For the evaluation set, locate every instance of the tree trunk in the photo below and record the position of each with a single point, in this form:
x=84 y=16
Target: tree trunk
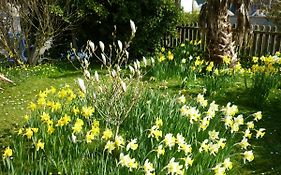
x=215 y=22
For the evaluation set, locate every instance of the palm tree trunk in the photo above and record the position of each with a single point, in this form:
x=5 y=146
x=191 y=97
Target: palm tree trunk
x=214 y=21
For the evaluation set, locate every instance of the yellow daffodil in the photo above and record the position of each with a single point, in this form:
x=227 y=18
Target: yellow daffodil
x=255 y=59
x=35 y=130
x=63 y=120
x=250 y=125
x=188 y=161
x=56 y=106
x=257 y=116
x=203 y=124
x=78 y=126
x=219 y=169
x=39 y=145
x=181 y=99
x=158 y=122
x=170 y=56
x=169 y=140
x=244 y=143
x=247 y=133
x=110 y=146
x=89 y=137
x=107 y=134
x=161 y=58
x=43 y=94
x=20 y=131
x=214 y=148
x=26 y=117
x=8 y=152
x=41 y=101
x=260 y=133
x=128 y=162
x=226 y=60
x=45 y=117
x=119 y=141
x=230 y=110
x=32 y=106
x=155 y=132
x=62 y=93
x=200 y=99
x=132 y=145
x=50 y=129
x=213 y=135
x=28 y=133
x=87 y=111
x=174 y=167
x=248 y=156
x=160 y=150
x=210 y=67
x=221 y=143
x=204 y=146
x=185 y=148
x=227 y=164
x=148 y=167
x=75 y=110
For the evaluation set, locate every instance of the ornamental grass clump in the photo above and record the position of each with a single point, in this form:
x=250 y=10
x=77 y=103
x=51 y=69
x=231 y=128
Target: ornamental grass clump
x=265 y=76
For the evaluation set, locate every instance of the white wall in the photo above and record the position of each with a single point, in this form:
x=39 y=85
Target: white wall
x=187 y=5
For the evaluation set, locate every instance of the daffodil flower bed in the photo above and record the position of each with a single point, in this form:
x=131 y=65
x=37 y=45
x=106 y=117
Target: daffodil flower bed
x=116 y=125
x=65 y=133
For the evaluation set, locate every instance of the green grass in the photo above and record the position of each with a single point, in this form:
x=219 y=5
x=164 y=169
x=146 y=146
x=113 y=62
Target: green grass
x=28 y=82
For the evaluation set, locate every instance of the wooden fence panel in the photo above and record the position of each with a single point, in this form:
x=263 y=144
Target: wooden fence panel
x=261 y=41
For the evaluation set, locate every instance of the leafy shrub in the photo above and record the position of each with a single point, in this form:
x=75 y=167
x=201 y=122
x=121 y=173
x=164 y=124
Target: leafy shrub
x=189 y=18
x=154 y=18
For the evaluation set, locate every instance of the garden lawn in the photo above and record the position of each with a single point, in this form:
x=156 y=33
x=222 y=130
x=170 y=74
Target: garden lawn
x=28 y=82
x=14 y=98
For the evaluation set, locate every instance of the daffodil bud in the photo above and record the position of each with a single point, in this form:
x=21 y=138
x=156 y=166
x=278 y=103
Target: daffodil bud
x=113 y=73
x=94 y=96
x=152 y=61
x=73 y=138
x=133 y=27
x=103 y=59
x=123 y=85
x=127 y=54
x=87 y=74
x=101 y=46
x=86 y=62
x=120 y=45
x=132 y=70
x=138 y=64
x=82 y=85
x=118 y=69
x=96 y=76
x=92 y=46
x=135 y=65
x=144 y=61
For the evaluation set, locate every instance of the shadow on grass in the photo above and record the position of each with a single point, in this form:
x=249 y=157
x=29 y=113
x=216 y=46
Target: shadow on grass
x=66 y=74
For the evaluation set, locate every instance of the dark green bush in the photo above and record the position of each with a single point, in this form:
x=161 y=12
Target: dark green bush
x=153 y=19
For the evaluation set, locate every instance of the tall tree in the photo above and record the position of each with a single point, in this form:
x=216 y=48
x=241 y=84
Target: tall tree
x=220 y=38
x=28 y=28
